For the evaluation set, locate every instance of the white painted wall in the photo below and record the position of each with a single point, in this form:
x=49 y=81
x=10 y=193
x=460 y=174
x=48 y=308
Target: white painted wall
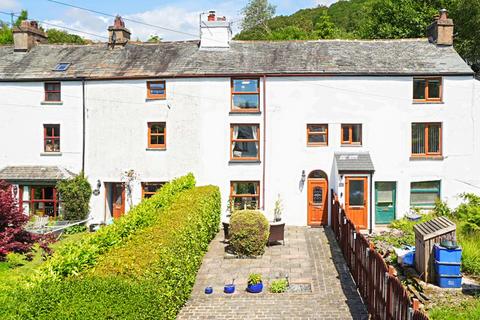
x=198 y=133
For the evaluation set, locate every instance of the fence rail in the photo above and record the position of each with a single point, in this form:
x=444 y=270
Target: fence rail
x=383 y=293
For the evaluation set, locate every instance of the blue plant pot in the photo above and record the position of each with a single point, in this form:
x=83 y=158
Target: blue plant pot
x=255 y=288
x=208 y=290
x=229 y=288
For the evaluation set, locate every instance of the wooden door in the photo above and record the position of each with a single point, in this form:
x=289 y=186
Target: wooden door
x=385 y=196
x=356 y=200
x=118 y=200
x=317 y=202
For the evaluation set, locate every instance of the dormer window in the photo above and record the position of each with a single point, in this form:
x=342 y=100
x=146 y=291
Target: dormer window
x=53 y=92
x=156 y=90
x=427 y=89
x=62 y=67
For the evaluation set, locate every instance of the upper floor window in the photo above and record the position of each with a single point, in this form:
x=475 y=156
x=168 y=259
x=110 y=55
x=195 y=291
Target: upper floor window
x=426 y=139
x=150 y=188
x=424 y=194
x=351 y=134
x=245 y=142
x=53 y=91
x=245 y=194
x=245 y=95
x=427 y=89
x=157 y=135
x=317 y=134
x=51 y=137
x=156 y=90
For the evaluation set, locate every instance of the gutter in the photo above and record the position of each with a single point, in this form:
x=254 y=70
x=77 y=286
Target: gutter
x=370 y=230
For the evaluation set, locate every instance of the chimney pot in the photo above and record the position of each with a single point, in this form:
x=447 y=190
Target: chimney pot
x=27 y=36
x=118 y=34
x=211 y=16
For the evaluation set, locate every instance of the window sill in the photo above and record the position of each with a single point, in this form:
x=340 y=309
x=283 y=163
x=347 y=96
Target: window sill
x=236 y=113
x=426 y=158
x=317 y=145
x=50 y=154
x=428 y=102
x=155 y=99
x=244 y=161
x=351 y=145
x=51 y=103
x=155 y=149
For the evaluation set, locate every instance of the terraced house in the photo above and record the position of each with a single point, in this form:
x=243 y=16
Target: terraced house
x=386 y=125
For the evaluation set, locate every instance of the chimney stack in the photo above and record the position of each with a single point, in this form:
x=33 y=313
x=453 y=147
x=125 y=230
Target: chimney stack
x=441 y=30
x=215 y=32
x=118 y=34
x=27 y=36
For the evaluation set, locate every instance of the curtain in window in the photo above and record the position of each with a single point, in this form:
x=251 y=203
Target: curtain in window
x=434 y=138
x=255 y=136
x=236 y=153
x=418 y=138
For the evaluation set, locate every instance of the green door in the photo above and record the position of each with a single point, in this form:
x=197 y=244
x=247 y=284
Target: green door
x=385 y=195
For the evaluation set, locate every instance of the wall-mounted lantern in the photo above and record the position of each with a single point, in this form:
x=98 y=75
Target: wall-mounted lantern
x=302 y=181
x=96 y=192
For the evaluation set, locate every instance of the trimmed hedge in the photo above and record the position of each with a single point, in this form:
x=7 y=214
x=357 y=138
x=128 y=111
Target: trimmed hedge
x=76 y=257
x=150 y=277
x=249 y=231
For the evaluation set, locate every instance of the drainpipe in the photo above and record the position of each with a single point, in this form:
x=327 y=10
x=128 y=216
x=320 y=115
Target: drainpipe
x=371 y=196
x=83 y=125
x=264 y=137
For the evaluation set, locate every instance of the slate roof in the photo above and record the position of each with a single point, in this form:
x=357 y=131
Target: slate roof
x=34 y=173
x=348 y=161
x=183 y=58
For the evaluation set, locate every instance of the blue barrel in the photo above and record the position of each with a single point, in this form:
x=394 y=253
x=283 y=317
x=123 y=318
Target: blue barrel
x=447 y=268
x=443 y=254
x=445 y=281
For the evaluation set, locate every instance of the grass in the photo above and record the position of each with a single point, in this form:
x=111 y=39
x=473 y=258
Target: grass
x=466 y=310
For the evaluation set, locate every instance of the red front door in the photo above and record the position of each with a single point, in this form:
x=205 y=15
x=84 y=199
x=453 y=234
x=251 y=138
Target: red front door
x=317 y=202
x=118 y=200
x=356 y=200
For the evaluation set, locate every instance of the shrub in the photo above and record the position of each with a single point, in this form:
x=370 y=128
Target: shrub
x=278 y=286
x=15 y=259
x=249 y=232
x=254 y=278
x=149 y=277
x=72 y=258
x=469 y=213
x=75 y=229
x=75 y=194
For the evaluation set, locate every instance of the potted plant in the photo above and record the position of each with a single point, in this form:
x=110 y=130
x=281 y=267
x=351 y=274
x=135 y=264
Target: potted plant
x=255 y=284
x=277 y=211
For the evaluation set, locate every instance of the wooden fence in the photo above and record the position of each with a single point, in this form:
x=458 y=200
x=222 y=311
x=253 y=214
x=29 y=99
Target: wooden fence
x=384 y=295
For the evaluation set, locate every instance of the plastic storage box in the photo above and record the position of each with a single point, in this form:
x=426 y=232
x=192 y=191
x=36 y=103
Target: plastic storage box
x=447 y=268
x=445 y=281
x=443 y=254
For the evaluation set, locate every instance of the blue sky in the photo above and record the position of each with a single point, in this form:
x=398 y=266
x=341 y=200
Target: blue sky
x=174 y=14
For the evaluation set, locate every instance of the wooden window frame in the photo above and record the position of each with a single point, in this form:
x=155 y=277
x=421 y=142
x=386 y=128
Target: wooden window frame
x=232 y=140
x=233 y=93
x=31 y=201
x=256 y=195
x=428 y=153
x=46 y=92
x=145 y=193
x=427 y=94
x=164 y=134
x=310 y=133
x=350 y=141
x=53 y=137
x=157 y=96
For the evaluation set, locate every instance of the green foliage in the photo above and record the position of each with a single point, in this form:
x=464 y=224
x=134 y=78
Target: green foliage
x=441 y=209
x=256 y=14
x=75 y=194
x=75 y=229
x=278 y=286
x=154 y=39
x=470 y=253
x=15 y=259
x=468 y=213
x=60 y=36
x=6 y=35
x=150 y=277
x=249 y=232
x=466 y=310
x=254 y=278
x=73 y=258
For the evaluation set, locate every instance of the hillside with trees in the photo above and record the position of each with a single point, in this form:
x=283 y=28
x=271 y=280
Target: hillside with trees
x=365 y=19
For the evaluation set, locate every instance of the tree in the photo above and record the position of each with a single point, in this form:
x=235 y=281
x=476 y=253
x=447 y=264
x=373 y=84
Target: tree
x=75 y=195
x=6 y=34
x=256 y=14
x=13 y=236
x=60 y=36
x=154 y=39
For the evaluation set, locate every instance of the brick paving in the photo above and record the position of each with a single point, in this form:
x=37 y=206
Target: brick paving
x=309 y=256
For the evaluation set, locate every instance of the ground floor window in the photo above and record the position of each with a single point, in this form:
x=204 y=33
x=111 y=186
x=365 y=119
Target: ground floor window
x=424 y=194
x=40 y=200
x=150 y=188
x=245 y=194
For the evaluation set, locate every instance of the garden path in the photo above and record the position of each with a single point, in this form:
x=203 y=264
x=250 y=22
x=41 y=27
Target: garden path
x=309 y=256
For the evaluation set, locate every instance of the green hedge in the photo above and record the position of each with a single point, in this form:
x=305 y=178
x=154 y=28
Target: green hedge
x=149 y=277
x=76 y=257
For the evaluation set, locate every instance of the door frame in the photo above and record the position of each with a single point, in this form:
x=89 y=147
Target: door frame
x=327 y=194
x=395 y=198
x=109 y=193
x=367 y=192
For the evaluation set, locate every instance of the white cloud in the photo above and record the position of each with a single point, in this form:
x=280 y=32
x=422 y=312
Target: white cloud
x=9 y=4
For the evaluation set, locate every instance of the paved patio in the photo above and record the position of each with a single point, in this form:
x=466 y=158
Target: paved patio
x=309 y=256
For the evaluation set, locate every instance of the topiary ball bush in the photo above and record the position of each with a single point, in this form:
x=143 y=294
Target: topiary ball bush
x=249 y=231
